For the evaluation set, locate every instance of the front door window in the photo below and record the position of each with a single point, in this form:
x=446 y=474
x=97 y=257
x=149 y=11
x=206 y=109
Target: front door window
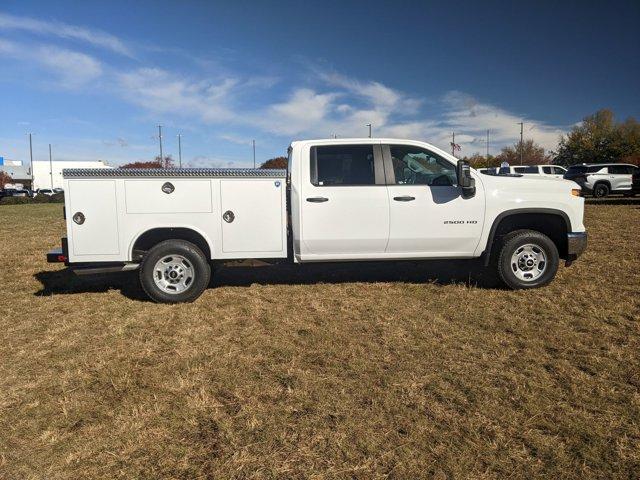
x=417 y=166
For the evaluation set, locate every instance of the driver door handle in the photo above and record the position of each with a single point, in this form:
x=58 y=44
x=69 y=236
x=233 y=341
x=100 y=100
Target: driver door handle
x=405 y=198
x=317 y=199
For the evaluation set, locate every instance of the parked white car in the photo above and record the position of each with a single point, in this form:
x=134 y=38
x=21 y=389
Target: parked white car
x=339 y=200
x=602 y=179
x=550 y=171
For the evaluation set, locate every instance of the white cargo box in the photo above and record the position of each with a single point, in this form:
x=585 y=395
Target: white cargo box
x=240 y=213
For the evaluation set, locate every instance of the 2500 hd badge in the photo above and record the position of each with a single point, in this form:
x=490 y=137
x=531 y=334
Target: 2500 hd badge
x=459 y=222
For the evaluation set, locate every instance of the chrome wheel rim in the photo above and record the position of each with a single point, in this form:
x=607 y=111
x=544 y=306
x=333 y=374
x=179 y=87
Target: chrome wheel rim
x=173 y=274
x=529 y=262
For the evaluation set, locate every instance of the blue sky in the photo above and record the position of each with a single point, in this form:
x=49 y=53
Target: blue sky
x=95 y=78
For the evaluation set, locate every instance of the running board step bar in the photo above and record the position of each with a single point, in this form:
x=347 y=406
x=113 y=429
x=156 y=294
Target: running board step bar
x=125 y=267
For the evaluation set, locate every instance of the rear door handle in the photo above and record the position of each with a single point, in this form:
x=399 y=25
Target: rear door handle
x=405 y=198
x=317 y=199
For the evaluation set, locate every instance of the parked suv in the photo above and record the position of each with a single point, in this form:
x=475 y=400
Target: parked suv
x=602 y=179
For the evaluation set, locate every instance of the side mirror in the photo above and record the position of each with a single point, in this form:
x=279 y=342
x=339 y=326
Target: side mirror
x=466 y=182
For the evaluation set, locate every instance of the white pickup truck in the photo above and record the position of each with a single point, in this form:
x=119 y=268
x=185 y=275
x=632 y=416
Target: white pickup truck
x=339 y=200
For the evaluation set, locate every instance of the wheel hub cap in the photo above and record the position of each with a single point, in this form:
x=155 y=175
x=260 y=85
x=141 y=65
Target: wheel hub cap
x=173 y=274
x=529 y=262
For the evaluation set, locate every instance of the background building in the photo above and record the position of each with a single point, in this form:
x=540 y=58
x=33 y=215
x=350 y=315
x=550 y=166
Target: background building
x=45 y=177
x=45 y=174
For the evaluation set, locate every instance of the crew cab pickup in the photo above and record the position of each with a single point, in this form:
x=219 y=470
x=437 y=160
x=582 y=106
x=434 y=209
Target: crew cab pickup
x=338 y=200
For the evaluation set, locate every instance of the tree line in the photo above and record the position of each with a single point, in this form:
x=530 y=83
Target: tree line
x=599 y=138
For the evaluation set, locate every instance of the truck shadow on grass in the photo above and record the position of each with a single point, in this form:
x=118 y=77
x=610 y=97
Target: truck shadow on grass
x=58 y=282
x=440 y=272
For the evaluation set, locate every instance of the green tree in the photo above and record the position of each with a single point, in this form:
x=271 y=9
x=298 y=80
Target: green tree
x=600 y=139
x=277 y=162
x=4 y=179
x=156 y=163
x=481 y=161
x=532 y=154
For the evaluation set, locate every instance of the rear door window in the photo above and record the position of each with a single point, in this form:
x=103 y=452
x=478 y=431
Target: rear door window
x=343 y=165
x=620 y=170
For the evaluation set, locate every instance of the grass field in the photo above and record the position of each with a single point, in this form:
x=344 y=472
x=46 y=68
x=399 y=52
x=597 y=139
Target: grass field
x=400 y=370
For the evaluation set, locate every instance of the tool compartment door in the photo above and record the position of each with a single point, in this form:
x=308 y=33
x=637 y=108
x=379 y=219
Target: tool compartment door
x=252 y=217
x=97 y=234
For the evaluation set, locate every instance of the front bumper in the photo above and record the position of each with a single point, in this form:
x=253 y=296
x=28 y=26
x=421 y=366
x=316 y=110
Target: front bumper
x=576 y=244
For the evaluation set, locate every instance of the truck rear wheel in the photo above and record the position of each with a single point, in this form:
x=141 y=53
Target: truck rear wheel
x=527 y=259
x=174 y=271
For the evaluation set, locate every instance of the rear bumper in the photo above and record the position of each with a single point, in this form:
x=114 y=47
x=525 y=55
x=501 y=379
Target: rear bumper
x=59 y=255
x=576 y=244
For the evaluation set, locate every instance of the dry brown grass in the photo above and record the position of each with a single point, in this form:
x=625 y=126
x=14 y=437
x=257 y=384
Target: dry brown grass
x=362 y=371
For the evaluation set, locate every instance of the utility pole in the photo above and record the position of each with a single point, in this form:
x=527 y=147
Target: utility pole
x=160 y=140
x=453 y=143
x=31 y=157
x=180 y=150
x=51 y=167
x=253 y=142
x=521 y=144
x=369 y=125
x=487 y=144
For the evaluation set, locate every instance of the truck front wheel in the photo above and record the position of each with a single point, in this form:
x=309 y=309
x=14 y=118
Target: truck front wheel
x=174 y=271
x=527 y=259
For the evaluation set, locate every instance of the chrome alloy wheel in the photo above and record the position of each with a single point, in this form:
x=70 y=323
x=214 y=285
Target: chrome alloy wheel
x=528 y=262
x=173 y=274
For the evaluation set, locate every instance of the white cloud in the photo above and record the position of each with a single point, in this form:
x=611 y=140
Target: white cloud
x=71 y=68
x=380 y=95
x=465 y=115
x=162 y=91
x=63 y=30
x=237 y=139
x=305 y=110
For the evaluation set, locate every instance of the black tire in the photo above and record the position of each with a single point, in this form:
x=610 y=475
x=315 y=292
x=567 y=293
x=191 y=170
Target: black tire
x=601 y=190
x=514 y=241
x=196 y=263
